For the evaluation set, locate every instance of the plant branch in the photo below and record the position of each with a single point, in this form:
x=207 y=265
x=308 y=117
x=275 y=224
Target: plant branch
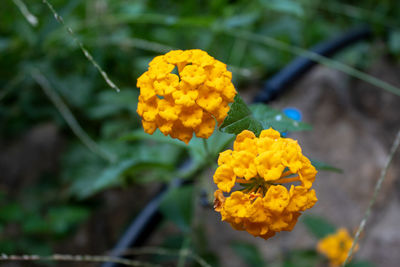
x=32 y=19
x=82 y=47
x=378 y=186
x=166 y=252
x=75 y=258
x=69 y=117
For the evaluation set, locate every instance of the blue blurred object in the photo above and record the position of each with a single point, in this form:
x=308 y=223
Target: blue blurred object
x=292 y=113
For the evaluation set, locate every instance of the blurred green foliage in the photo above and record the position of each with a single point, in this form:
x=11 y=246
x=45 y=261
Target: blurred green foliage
x=249 y=253
x=123 y=36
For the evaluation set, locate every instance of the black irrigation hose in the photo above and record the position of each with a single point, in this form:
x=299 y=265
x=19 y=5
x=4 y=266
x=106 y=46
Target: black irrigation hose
x=278 y=83
x=140 y=228
x=148 y=219
x=144 y=223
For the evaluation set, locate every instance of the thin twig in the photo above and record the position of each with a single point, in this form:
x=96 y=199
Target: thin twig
x=184 y=251
x=76 y=258
x=353 y=12
x=165 y=252
x=162 y=48
x=137 y=43
x=69 y=117
x=32 y=19
x=378 y=186
x=82 y=47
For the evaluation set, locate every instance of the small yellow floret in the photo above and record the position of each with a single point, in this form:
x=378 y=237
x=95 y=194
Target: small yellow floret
x=191 y=101
x=262 y=165
x=336 y=246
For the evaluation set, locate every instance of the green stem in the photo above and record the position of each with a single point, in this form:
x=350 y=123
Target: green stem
x=208 y=154
x=184 y=251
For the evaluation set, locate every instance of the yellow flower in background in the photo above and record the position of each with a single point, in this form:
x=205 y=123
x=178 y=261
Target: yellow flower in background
x=262 y=166
x=192 y=100
x=336 y=246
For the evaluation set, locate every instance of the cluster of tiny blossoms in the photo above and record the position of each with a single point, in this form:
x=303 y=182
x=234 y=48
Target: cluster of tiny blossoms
x=336 y=246
x=191 y=100
x=261 y=166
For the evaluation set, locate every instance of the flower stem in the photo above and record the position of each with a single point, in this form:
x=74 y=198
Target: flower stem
x=208 y=154
x=288 y=180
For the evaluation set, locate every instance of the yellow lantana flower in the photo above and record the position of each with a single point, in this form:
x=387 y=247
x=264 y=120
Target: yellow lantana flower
x=191 y=100
x=262 y=166
x=336 y=246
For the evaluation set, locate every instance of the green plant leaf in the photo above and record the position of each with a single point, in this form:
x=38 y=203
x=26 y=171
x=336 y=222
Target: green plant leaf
x=110 y=176
x=269 y=117
x=95 y=175
x=322 y=166
x=258 y=117
x=8 y=246
x=157 y=136
x=318 y=226
x=12 y=212
x=394 y=42
x=62 y=219
x=240 y=118
x=301 y=258
x=177 y=206
x=249 y=254
x=108 y=103
x=285 y=6
x=35 y=224
x=360 y=264
x=33 y=246
x=216 y=143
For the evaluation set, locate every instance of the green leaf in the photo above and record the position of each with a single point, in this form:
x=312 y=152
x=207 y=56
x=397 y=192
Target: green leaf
x=216 y=143
x=110 y=176
x=109 y=103
x=271 y=118
x=285 y=6
x=322 y=166
x=249 y=253
x=94 y=175
x=33 y=246
x=35 y=224
x=240 y=118
x=8 y=246
x=394 y=42
x=63 y=219
x=177 y=206
x=301 y=258
x=241 y=20
x=258 y=117
x=157 y=136
x=318 y=226
x=360 y=264
x=12 y=212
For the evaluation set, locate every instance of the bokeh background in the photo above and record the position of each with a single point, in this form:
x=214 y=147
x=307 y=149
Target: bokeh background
x=71 y=179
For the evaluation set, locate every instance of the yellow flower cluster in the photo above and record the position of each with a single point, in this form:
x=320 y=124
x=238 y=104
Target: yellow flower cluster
x=336 y=246
x=186 y=102
x=261 y=166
